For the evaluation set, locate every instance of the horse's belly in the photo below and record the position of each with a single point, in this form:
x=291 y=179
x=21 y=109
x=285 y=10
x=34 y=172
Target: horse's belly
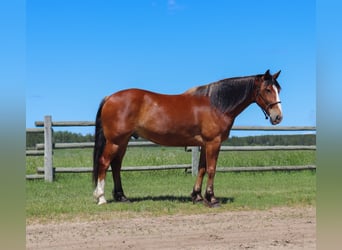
x=172 y=139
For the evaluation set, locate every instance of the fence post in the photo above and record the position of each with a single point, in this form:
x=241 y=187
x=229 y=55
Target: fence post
x=48 y=168
x=194 y=160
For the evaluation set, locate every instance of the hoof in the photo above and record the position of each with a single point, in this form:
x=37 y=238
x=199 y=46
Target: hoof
x=120 y=197
x=101 y=201
x=211 y=201
x=212 y=204
x=197 y=200
x=99 y=198
x=196 y=197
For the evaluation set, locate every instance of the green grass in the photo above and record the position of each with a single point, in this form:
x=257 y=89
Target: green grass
x=154 y=156
x=168 y=192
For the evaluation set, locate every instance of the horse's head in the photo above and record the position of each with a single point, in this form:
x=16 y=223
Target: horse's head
x=267 y=97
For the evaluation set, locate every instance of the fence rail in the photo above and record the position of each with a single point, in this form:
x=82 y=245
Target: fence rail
x=46 y=149
x=249 y=128
x=70 y=145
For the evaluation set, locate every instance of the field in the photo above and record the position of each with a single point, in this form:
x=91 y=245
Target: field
x=167 y=192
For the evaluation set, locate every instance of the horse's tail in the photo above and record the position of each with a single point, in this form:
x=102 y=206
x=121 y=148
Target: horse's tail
x=100 y=142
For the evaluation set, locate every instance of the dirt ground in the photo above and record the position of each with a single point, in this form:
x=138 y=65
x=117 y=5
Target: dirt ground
x=277 y=228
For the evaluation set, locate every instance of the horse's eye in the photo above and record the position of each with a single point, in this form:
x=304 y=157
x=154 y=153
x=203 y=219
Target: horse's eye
x=268 y=91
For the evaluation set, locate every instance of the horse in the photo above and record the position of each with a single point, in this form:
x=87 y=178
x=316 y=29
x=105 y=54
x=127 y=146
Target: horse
x=202 y=116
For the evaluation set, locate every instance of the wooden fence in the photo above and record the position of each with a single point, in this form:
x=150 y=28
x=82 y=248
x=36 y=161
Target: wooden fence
x=46 y=149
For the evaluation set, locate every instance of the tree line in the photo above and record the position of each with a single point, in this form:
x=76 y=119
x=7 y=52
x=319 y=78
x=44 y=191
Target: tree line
x=268 y=140
x=271 y=140
x=59 y=136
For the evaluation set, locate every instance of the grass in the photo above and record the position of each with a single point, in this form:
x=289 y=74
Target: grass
x=154 y=156
x=167 y=192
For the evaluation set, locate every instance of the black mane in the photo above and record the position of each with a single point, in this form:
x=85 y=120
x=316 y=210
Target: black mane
x=228 y=93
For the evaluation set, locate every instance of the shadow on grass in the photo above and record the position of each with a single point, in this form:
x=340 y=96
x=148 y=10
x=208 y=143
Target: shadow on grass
x=182 y=199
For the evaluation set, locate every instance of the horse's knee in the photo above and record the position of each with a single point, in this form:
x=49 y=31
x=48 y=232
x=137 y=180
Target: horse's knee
x=211 y=172
x=201 y=172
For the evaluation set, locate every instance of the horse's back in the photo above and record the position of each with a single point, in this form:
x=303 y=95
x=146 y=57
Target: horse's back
x=145 y=98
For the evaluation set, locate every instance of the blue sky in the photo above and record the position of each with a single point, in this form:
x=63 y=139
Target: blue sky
x=79 y=51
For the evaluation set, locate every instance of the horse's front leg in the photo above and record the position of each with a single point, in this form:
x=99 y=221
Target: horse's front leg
x=212 y=152
x=196 y=194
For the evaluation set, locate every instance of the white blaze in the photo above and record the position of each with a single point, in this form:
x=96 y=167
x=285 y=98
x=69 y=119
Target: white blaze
x=277 y=97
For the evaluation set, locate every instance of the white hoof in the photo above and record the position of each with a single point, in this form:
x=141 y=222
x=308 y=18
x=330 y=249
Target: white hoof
x=101 y=200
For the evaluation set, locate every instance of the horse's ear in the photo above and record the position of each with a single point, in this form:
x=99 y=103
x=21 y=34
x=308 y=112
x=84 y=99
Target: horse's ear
x=267 y=75
x=275 y=76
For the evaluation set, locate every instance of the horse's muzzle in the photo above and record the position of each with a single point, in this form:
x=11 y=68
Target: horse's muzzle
x=276 y=118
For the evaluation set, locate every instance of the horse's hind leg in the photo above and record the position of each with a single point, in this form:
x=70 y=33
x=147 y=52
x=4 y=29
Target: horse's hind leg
x=118 y=193
x=109 y=152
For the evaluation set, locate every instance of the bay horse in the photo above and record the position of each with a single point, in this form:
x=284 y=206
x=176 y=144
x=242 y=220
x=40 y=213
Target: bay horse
x=201 y=116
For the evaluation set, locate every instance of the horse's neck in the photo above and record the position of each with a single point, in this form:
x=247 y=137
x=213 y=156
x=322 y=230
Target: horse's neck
x=241 y=107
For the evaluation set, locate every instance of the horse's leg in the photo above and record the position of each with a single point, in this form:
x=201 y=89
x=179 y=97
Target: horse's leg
x=118 y=193
x=109 y=151
x=196 y=194
x=212 y=151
